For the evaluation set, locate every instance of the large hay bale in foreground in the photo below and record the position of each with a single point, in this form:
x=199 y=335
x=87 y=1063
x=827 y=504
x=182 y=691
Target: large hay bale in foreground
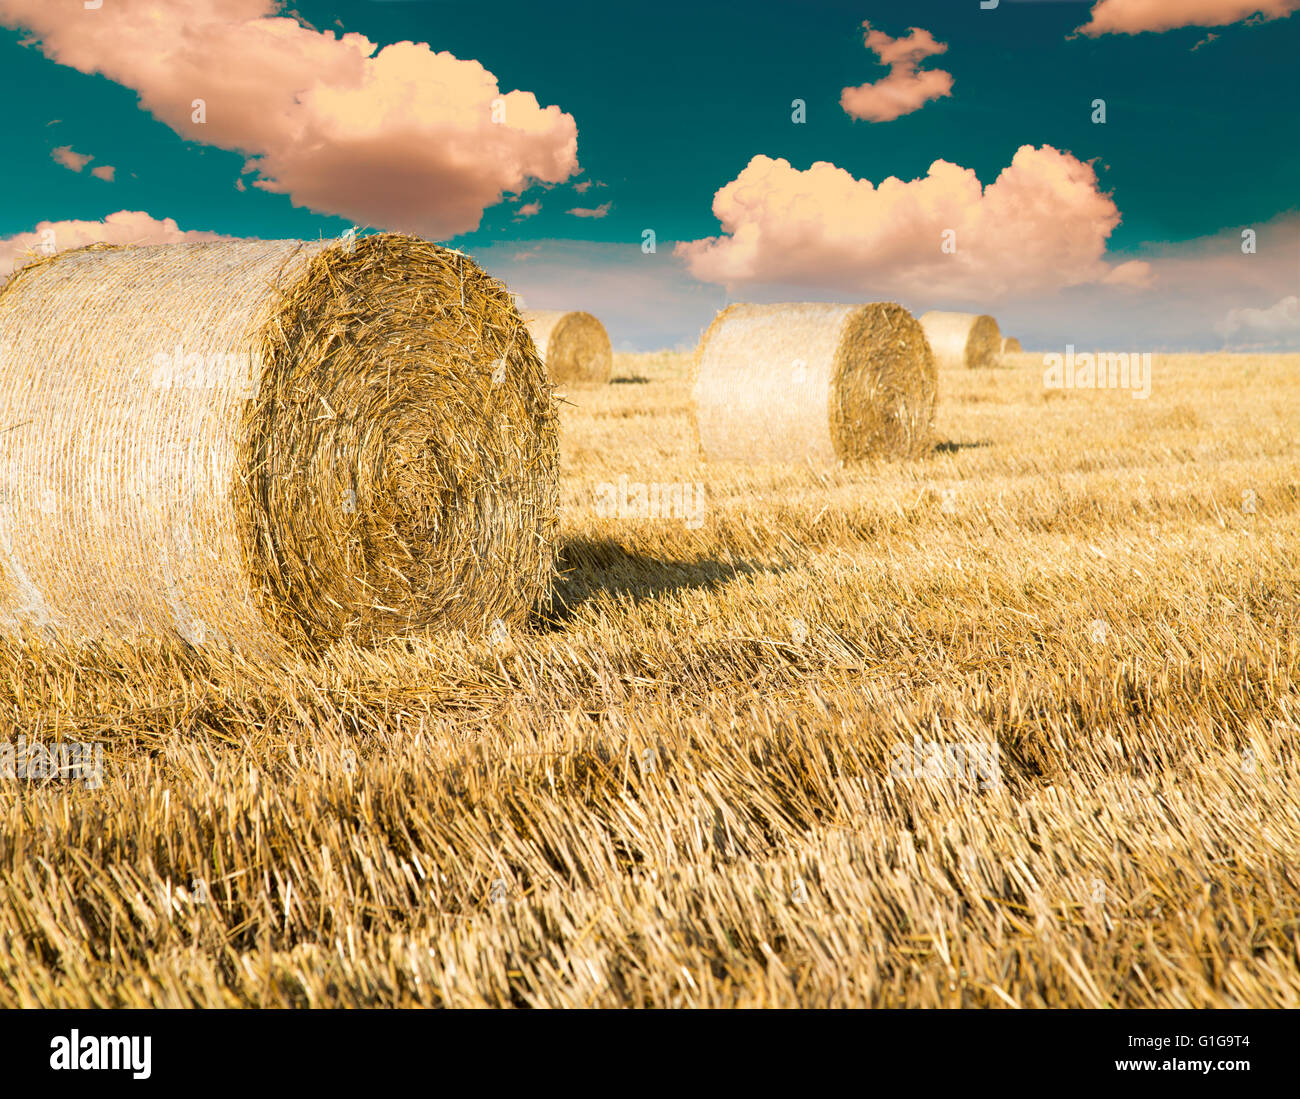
x=574 y=346
x=1010 y=345
x=962 y=340
x=813 y=382
x=270 y=445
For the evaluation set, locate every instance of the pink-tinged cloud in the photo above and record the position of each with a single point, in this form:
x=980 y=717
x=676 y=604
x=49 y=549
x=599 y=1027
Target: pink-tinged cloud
x=906 y=88
x=403 y=138
x=106 y=172
x=123 y=227
x=1136 y=16
x=592 y=211
x=66 y=157
x=1041 y=225
x=528 y=210
x=583 y=187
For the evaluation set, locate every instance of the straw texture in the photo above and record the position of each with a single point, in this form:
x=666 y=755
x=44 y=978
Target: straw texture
x=813 y=382
x=1010 y=345
x=574 y=346
x=270 y=445
x=962 y=340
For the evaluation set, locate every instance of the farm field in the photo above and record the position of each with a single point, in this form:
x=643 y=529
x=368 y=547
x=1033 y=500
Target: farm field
x=1011 y=725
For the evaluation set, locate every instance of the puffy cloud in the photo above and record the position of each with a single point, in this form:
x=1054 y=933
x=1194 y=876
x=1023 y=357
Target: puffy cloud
x=403 y=138
x=106 y=172
x=1136 y=16
x=73 y=161
x=1137 y=272
x=1041 y=225
x=592 y=211
x=906 y=88
x=527 y=210
x=583 y=187
x=123 y=227
x=1277 y=325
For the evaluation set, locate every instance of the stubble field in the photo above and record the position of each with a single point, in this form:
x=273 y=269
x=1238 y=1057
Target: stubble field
x=1011 y=725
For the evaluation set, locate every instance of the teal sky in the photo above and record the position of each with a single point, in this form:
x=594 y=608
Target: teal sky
x=672 y=101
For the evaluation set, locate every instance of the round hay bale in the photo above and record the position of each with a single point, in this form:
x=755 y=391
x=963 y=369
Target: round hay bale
x=1010 y=345
x=813 y=382
x=574 y=346
x=270 y=445
x=962 y=340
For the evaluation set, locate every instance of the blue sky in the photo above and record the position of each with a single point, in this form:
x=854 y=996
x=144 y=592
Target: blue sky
x=672 y=101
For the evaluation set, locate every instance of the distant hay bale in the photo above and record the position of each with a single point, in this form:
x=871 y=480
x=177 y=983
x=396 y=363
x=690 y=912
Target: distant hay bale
x=270 y=445
x=1010 y=345
x=813 y=382
x=574 y=346
x=962 y=340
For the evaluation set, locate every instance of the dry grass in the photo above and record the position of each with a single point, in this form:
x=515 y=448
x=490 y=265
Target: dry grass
x=678 y=790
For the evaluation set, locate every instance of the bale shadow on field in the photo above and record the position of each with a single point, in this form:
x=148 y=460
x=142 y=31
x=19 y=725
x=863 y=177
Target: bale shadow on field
x=951 y=446
x=590 y=566
x=634 y=379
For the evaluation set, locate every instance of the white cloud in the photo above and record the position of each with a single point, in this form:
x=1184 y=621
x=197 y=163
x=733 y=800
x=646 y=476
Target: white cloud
x=123 y=227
